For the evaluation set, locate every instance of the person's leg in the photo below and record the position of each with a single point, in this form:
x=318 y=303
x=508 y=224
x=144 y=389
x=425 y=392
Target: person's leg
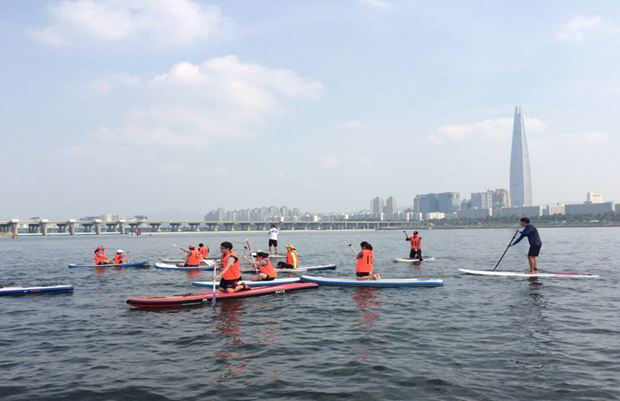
x=420 y=255
x=412 y=254
x=533 y=264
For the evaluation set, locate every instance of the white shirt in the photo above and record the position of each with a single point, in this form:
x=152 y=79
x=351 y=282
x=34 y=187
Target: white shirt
x=273 y=233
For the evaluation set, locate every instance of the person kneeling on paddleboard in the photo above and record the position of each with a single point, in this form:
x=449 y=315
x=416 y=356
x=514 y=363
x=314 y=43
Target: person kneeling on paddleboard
x=203 y=250
x=292 y=258
x=416 y=246
x=266 y=271
x=119 y=258
x=231 y=270
x=193 y=258
x=100 y=258
x=365 y=260
x=533 y=237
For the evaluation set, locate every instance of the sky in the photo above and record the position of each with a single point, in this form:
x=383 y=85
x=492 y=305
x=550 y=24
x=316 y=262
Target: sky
x=171 y=108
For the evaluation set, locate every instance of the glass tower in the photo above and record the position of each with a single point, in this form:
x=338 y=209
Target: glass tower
x=520 y=176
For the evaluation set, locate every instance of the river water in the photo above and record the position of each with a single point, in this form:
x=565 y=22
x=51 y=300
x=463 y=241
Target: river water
x=477 y=338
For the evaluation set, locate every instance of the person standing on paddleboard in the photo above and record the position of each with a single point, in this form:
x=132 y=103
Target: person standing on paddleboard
x=273 y=239
x=416 y=246
x=533 y=237
x=231 y=270
x=364 y=264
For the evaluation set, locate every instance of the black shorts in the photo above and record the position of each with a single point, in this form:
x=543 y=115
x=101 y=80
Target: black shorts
x=534 y=250
x=284 y=265
x=224 y=284
x=363 y=274
x=273 y=242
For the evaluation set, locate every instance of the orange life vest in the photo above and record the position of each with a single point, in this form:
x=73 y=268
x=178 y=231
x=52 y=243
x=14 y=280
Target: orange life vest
x=100 y=257
x=234 y=271
x=204 y=251
x=268 y=269
x=364 y=264
x=119 y=259
x=194 y=258
x=291 y=258
x=416 y=242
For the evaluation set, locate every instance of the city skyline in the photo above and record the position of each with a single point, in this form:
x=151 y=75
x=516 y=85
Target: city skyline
x=216 y=105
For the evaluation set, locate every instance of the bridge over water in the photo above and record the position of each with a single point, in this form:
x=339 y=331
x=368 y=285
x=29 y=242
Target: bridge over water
x=72 y=227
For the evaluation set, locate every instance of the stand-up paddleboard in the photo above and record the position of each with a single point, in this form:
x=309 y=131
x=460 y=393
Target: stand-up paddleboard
x=299 y=270
x=387 y=282
x=518 y=274
x=278 y=281
x=175 y=261
x=192 y=299
x=144 y=263
x=272 y=256
x=407 y=260
x=35 y=290
x=166 y=266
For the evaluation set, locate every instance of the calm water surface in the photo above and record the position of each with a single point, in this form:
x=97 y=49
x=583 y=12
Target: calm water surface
x=477 y=338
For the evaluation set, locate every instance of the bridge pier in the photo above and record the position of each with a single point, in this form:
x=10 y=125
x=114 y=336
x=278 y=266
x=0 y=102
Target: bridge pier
x=155 y=227
x=97 y=227
x=111 y=227
x=71 y=225
x=194 y=227
x=122 y=226
x=174 y=227
x=62 y=228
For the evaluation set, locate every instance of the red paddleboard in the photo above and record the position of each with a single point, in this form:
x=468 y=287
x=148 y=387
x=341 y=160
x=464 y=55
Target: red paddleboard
x=192 y=299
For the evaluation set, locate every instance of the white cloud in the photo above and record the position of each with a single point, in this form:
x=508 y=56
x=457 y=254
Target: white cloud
x=352 y=124
x=483 y=130
x=160 y=22
x=585 y=27
x=191 y=104
x=379 y=4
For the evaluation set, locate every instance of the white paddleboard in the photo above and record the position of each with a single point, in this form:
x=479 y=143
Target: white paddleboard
x=165 y=266
x=407 y=260
x=519 y=274
x=278 y=281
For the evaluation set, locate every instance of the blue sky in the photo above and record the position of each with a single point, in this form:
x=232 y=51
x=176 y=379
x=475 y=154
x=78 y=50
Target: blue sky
x=178 y=107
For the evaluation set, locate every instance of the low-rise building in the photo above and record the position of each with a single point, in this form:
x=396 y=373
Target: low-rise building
x=551 y=210
x=475 y=213
x=591 y=209
x=523 y=211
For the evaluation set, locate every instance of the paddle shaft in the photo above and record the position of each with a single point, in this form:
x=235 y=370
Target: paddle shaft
x=353 y=249
x=506 y=250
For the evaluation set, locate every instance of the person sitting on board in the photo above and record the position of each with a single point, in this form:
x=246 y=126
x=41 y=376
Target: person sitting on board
x=193 y=258
x=365 y=259
x=292 y=258
x=416 y=246
x=273 y=239
x=100 y=258
x=533 y=237
x=266 y=271
x=231 y=271
x=203 y=250
x=119 y=258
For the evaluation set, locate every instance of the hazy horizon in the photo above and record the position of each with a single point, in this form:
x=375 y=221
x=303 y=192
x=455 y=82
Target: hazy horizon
x=177 y=108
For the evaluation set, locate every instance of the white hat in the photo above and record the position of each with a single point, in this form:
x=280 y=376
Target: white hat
x=119 y=251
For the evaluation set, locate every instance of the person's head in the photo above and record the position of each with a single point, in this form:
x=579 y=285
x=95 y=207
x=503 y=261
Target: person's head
x=201 y=245
x=191 y=247
x=119 y=251
x=524 y=221
x=226 y=247
x=365 y=245
x=415 y=233
x=273 y=226
x=262 y=255
x=290 y=247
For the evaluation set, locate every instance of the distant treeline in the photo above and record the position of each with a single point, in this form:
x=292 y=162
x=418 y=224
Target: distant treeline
x=601 y=219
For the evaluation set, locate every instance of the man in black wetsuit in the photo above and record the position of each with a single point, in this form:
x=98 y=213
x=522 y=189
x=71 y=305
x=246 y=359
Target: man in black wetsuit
x=531 y=233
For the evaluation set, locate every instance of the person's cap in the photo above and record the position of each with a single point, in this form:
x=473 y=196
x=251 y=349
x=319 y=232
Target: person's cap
x=119 y=251
x=291 y=246
x=261 y=254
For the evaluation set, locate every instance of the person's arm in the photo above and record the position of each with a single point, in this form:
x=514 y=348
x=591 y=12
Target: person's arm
x=230 y=263
x=524 y=234
x=360 y=255
x=407 y=238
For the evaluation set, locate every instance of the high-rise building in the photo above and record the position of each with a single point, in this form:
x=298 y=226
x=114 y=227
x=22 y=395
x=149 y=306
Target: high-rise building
x=448 y=202
x=390 y=208
x=501 y=198
x=377 y=205
x=482 y=200
x=426 y=203
x=520 y=176
x=594 y=197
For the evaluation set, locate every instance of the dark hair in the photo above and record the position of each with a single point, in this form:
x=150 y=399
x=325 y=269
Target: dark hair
x=226 y=245
x=525 y=220
x=262 y=254
x=415 y=232
x=273 y=225
x=191 y=247
x=366 y=245
x=201 y=244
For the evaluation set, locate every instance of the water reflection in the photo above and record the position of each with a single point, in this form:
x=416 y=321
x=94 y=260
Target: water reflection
x=367 y=300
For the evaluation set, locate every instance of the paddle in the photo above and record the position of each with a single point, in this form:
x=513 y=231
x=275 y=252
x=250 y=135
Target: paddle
x=354 y=251
x=506 y=250
x=406 y=236
x=247 y=242
x=213 y=301
x=176 y=246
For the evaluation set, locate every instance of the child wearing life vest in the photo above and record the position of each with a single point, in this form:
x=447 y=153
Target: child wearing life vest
x=231 y=271
x=203 y=250
x=416 y=246
x=266 y=271
x=119 y=258
x=192 y=259
x=364 y=264
x=100 y=258
x=292 y=258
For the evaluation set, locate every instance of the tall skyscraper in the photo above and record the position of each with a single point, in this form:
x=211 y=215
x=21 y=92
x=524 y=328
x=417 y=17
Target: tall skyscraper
x=449 y=202
x=377 y=205
x=390 y=208
x=520 y=177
